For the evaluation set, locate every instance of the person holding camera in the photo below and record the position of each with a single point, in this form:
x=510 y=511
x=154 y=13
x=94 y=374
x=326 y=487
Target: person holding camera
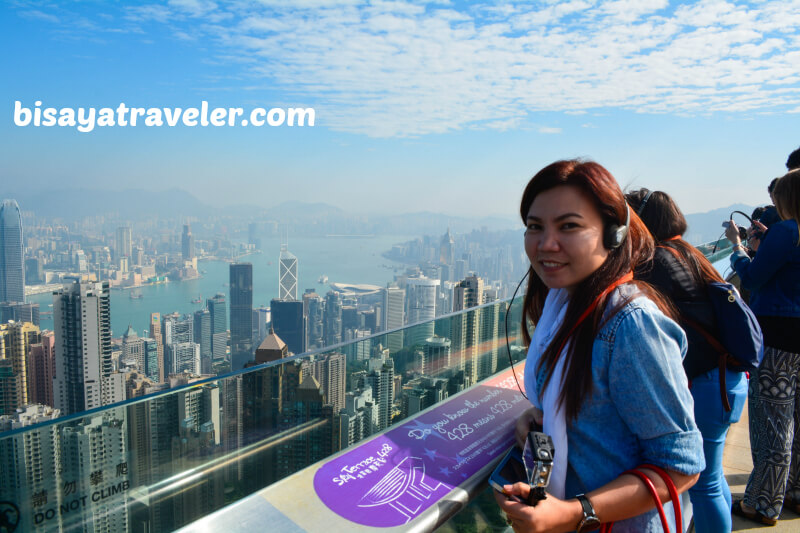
x=681 y=273
x=773 y=277
x=603 y=370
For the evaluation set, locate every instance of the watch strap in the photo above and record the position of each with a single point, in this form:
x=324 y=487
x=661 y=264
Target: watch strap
x=590 y=521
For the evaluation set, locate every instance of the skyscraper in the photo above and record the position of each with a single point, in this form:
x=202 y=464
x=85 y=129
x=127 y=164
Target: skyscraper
x=421 y=296
x=330 y=371
x=124 y=245
x=468 y=293
x=312 y=318
x=152 y=348
x=16 y=339
x=287 y=275
x=447 y=249
x=465 y=328
x=394 y=301
x=19 y=312
x=82 y=320
x=95 y=446
x=381 y=379
x=241 y=282
x=219 y=326
x=187 y=243
x=202 y=336
x=12 y=274
x=34 y=272
x=41 y=366
x=179 y=345
x=332 y=330
x=260 y=319
x=155 y=333
x=133 y=349
x=287 y=321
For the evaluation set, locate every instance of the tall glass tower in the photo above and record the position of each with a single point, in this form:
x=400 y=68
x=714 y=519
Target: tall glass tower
x=241 y=281
x=287 y=275
x=12 y=273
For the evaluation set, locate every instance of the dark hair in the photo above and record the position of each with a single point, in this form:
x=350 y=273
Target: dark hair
x=664 y=219
x=771 y=186
x=601 y=187
x=793 y=160
x=758 y=212
x=787 y=197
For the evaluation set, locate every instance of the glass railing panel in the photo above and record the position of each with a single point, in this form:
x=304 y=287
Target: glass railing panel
x=160 y=462
x=716 y=250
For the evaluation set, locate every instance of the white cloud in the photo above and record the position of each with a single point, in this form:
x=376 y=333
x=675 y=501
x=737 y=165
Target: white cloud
x=36 y=14
x=549 y=130
x=392 y=68
x=194 y=8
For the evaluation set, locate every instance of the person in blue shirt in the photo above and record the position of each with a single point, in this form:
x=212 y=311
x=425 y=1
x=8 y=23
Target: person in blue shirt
x=603 y=370
x=773 y=277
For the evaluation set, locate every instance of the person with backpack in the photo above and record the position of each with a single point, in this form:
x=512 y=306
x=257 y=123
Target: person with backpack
x=682 y=274
x=773 y=277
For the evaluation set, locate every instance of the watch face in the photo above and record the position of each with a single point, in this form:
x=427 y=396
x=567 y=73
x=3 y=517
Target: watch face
x=589 y=523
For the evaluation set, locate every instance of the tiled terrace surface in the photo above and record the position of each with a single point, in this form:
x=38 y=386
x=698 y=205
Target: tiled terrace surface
x=738 y=464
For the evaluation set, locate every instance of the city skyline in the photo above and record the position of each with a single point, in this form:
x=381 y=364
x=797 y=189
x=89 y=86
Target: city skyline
x=437 y=106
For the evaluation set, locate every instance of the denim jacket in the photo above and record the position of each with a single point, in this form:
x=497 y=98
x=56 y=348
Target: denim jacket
x=640 y=409
x=773 y=275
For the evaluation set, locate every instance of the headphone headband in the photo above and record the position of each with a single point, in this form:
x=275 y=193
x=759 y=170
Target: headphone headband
x=644 y=203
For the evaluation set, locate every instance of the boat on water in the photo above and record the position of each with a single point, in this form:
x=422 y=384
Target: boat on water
x=198 y=300
x=135 y=295
x=322 y=279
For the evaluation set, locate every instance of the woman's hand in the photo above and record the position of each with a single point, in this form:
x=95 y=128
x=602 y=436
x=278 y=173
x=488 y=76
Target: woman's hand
x=531 y=416
x=551 y=514
x=732 y=233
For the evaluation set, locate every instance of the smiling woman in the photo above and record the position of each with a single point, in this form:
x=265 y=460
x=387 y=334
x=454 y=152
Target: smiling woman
x=603 y=370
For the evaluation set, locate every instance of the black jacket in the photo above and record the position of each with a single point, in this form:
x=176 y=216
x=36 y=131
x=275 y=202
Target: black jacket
x=673 y=279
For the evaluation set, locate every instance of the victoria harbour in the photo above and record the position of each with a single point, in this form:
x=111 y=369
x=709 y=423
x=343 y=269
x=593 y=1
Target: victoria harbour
x=343 y=260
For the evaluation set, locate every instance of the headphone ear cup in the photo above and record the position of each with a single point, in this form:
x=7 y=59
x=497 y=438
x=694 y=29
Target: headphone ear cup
x=614 y=236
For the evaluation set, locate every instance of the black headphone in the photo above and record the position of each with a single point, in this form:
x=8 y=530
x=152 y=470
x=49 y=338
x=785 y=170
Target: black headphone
x=614 y=235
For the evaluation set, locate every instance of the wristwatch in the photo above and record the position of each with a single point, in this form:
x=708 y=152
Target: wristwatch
x=589 y=522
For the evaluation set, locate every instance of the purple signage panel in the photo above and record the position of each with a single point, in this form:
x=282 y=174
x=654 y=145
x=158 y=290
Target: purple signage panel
x=393 y=478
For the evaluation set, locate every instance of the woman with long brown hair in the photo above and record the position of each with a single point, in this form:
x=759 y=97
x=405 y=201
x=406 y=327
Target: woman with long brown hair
x=604 y=365
x=681 y=273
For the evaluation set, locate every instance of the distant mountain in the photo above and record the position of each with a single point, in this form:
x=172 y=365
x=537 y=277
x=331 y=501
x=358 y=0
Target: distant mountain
x=706 y=227
x=305 y=217
x=133 y=204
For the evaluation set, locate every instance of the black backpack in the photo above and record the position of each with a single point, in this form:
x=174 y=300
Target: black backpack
x=741 y=344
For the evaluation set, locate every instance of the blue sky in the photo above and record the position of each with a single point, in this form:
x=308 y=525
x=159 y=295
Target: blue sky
x=441 y=106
